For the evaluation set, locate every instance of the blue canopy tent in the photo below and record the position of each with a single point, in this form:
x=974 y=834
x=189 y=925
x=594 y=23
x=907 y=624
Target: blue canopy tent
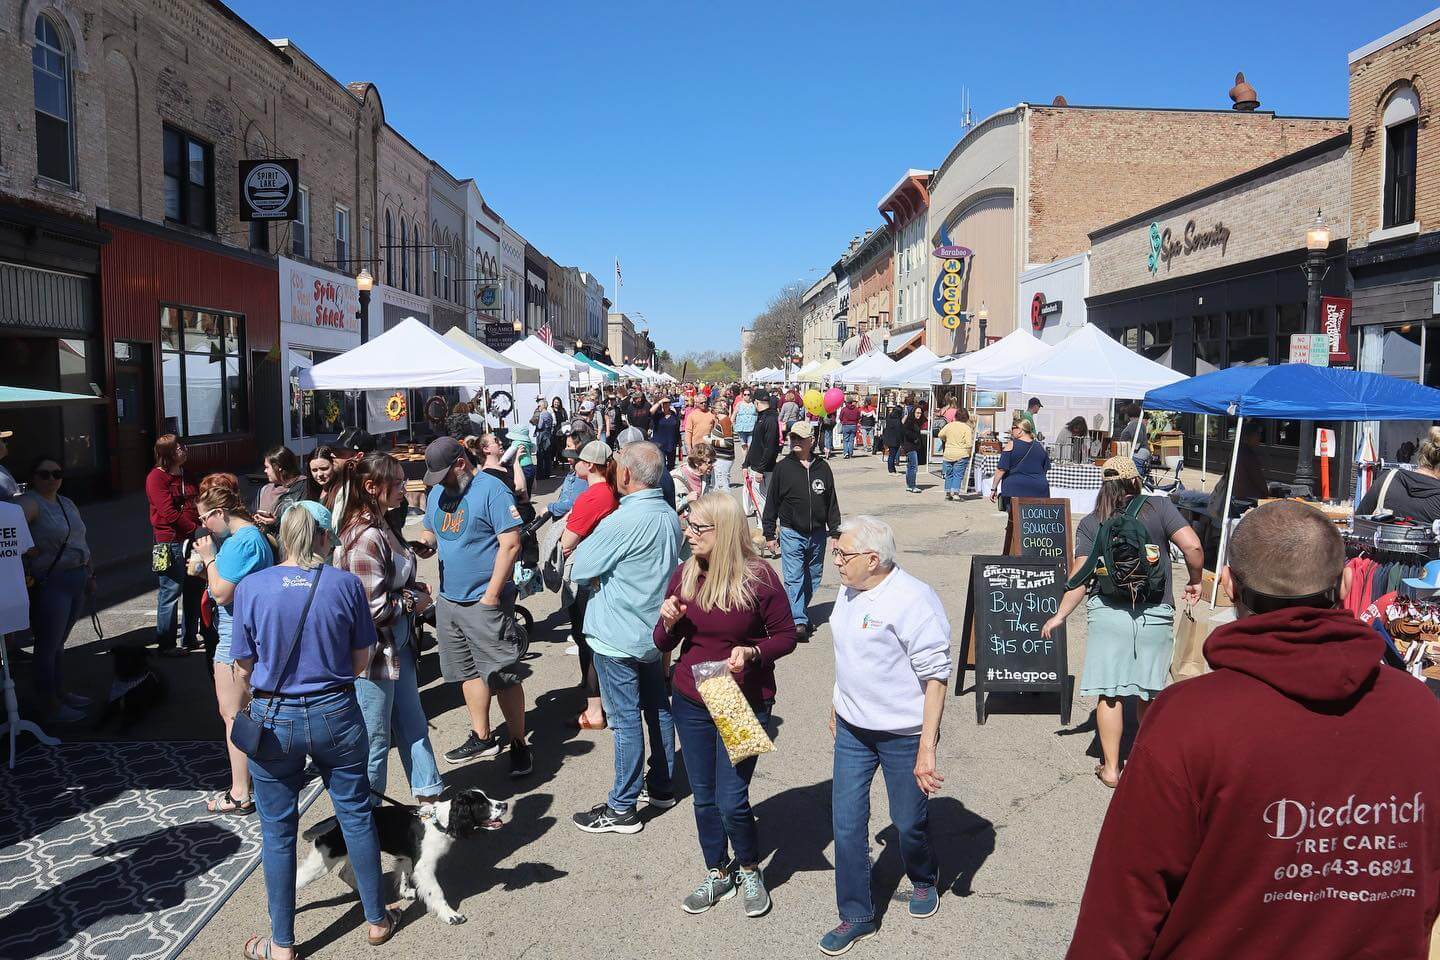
x=1292 y=391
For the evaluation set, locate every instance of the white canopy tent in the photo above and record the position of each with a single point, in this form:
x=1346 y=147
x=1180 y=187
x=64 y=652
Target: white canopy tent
x=1009 y=352
x=532 y=351
x=1088 y=363
x=409 y=355
x=768 y=375
x=912 y=370
x=530 y=383
x=867 y=370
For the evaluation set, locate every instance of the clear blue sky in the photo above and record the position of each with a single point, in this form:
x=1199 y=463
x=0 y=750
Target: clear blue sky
x=721 y=150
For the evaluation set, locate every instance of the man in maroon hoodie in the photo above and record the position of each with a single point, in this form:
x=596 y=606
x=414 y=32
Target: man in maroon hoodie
x=1287 y=804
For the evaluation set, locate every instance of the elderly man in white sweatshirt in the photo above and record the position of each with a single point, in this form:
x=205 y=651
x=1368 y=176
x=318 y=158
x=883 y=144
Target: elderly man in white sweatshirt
x=892 y=664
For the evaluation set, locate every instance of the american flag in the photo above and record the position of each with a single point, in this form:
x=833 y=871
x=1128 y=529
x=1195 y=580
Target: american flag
x=618 y=281
x=544 y=334
x=864 y=344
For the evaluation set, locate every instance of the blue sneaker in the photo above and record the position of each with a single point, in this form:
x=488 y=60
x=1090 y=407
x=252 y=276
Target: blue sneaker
x=924 y=901
x=845 y=936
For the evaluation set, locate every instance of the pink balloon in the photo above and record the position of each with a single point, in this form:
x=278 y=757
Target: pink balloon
x=834 y=399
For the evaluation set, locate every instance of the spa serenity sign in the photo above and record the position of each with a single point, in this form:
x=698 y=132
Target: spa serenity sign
x=1165 y=245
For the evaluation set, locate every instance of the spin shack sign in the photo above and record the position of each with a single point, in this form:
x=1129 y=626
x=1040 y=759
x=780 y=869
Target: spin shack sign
x=1166 y=244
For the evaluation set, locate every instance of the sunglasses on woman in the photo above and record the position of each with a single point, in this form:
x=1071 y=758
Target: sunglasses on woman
x=49 y=474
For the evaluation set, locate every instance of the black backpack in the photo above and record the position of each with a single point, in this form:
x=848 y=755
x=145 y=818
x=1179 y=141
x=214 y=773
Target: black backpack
x=1123 y=562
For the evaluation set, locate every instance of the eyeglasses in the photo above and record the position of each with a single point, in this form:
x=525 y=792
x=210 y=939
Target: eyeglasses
x=49 y=474
x=700 y=529
x=210 y=513
x=845 y=556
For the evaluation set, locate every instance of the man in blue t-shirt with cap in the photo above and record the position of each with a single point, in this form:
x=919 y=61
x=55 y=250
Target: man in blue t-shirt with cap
x=472 y=521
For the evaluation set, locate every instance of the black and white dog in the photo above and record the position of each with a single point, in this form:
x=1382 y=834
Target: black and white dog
x=417 y=837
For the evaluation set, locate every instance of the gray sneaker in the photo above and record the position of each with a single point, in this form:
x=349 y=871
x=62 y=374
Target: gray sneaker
x=718 y=885
x=757 y=898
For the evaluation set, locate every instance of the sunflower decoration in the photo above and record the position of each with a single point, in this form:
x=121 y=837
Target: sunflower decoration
x=395 y=406
x=331 y=411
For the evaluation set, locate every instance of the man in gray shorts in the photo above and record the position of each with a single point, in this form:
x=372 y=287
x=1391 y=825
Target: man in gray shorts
x=472 y=520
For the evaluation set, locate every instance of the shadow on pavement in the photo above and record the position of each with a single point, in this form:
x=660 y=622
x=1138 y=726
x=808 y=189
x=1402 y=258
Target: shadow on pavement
x=963 y=840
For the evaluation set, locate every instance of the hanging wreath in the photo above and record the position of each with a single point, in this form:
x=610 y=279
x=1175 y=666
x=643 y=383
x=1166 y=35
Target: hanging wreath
x=395 y=407
x=501 y=404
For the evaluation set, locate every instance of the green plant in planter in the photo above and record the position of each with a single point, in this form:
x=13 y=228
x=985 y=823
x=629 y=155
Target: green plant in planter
x=1158 y=422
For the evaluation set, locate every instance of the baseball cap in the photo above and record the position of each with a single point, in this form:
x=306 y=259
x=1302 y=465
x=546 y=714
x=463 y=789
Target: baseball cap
x=761 y=397
x=587 y=407
x=1119 y=468
x=6 y=434
x=596 y=452
x=1035 y=402
x=1429 y=580
x=355 y=439
x=628 y=436
x=438 y=457
x=802 y=428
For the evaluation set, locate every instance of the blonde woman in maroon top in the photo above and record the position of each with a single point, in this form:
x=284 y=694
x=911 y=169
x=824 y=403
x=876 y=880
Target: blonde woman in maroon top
x=724 y=603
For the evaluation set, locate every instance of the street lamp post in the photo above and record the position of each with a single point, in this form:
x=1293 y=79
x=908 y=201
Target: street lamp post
x=984 y=318
x=1317 y=244
x=364 y=283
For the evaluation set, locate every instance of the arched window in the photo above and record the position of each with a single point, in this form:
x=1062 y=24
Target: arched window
x=419 y=268
x=1402 y=124
x=389 y=248
x=404 y=255
x=54 y=129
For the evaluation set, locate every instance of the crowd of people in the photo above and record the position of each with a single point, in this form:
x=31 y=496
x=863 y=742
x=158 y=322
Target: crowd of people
x=307 y=602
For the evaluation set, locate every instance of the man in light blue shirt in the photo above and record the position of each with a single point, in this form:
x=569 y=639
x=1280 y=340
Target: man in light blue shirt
x=631 y=555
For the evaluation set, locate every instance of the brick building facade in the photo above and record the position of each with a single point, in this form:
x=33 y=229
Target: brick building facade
x=1025 y=186
x=1214 y=279
x=1395 y=211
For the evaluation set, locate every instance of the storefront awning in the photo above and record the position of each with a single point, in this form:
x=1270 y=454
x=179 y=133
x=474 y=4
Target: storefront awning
x=901 y=344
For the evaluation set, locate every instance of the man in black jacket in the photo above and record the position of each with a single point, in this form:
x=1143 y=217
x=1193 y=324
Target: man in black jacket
x=801 y=500
x=764 y=447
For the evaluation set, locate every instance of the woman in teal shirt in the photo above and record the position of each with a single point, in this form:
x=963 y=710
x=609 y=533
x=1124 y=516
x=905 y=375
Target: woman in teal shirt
x=235 y=549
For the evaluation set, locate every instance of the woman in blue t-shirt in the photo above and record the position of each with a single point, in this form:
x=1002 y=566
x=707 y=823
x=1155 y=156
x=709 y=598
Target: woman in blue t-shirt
x=234 y=549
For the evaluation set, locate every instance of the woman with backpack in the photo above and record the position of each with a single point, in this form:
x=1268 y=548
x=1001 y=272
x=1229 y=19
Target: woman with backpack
x=1122 y=572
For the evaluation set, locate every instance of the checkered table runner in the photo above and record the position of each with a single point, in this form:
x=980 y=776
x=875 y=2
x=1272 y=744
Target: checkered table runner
x=1071 y=476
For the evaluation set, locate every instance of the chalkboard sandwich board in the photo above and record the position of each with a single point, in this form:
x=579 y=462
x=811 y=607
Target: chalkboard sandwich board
x=1039 y=527
x=1010 y=599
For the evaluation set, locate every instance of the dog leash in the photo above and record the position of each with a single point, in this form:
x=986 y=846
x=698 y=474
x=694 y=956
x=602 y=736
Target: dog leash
x=390 y=800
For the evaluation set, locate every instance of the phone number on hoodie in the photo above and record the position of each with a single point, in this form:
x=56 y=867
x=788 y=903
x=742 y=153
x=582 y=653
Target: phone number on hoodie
x=1346 y=868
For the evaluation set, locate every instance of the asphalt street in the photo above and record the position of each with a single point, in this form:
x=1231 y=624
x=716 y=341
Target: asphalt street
x=1015 y=823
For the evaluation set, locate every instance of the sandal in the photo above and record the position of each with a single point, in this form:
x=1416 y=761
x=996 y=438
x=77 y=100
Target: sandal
x=224 y=803
x=1100 y=775
x=253 y=949
x=394 y=917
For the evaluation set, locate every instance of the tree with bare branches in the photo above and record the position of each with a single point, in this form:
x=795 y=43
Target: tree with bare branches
x=778 y=328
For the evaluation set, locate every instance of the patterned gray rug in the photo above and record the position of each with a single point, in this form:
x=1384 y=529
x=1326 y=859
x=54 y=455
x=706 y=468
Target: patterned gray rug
x=107 y=850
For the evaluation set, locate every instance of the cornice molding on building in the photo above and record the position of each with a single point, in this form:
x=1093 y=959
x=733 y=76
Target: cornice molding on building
x=1403 y=32
x=1009 y=113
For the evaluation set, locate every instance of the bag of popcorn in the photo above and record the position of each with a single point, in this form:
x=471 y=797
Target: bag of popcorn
x=739 y=729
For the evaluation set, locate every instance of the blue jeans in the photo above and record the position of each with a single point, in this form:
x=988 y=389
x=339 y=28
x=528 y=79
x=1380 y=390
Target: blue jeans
x=721 y=791
x=892 y=457
x=173 y=592
x=857 y=753
x=393 y=712
x=847 y=438
x=912 y=463
x=954 y=472
x=329 y=728
x=633 y=694
x=744 y=436
x=802 y=564
x=54 y=608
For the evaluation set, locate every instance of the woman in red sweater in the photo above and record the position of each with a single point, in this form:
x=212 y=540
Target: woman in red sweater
x=173 y=519
x=724 y=603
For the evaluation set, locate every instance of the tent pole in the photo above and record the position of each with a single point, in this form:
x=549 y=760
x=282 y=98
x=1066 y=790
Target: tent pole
x=1225 y=516
x=1204 y=447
